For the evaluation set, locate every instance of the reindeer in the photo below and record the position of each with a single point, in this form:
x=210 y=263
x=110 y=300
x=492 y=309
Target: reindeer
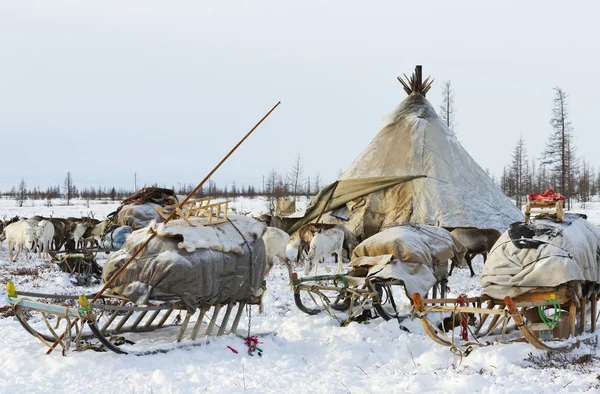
x=97 y=232
x=20 y=235
x=275 y=243
x=44 y=235
x=325 y=242
x=306 y=233
x=3 y=224
x=63 y=231
x=477 y=241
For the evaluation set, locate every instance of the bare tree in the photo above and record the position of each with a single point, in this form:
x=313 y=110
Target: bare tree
x=295 y=177
x=270 y=186
x=22 y=192
x=584 y=186
x=519 y=171
x=559 y=152
x=318 y=185
x=68 y=186
x=447 y=107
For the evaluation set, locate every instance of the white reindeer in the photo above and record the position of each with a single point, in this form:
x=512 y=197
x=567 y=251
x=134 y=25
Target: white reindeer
x=323 y=244
x=20 y=235
x=78 y=233
x=44 y=235
x=275 y=243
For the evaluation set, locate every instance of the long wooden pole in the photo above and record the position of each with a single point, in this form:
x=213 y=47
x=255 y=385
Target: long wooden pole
x=181 y=204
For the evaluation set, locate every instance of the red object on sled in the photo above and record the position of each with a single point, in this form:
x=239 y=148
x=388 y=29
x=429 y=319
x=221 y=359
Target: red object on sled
x=549 y=197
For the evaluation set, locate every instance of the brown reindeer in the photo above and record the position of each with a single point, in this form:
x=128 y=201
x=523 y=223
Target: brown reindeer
x=452 y=321
x=477 y=241
x=63 y=231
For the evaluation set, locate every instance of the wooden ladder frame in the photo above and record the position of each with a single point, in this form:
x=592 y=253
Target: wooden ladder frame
x=214 y=213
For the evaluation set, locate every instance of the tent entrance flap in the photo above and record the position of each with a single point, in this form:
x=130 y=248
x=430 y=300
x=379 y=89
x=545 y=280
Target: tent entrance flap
x=337 y=194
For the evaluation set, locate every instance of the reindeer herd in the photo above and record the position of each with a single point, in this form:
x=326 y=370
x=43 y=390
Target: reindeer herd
x=48 y=235
x=314 y=242
x=311 y=244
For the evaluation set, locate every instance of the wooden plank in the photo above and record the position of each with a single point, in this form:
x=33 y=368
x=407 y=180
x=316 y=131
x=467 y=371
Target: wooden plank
x=138 y=320
x=165 y=317
x=572 y=317
x=198 y=324
x=463 y=309
x=543 y=295
x=225 y=319
x=184 y=325
x=594 y=311
x=238 y=316
x=111 y=318
x=582 y=313
x=151 y=318
x=483 y=318
x=47 y=308
x=123 y=320
x=213 y=320
x=453 y=300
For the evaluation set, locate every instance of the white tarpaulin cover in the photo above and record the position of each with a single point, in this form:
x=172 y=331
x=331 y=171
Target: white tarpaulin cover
x=542 y=254
x=201 y=265
x=416 y=254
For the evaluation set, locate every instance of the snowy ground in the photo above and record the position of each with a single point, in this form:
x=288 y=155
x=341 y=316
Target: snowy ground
x=302 y=354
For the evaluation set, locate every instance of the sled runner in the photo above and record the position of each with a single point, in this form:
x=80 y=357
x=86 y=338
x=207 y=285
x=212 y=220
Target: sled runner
x=535 y=317
x=104 y=325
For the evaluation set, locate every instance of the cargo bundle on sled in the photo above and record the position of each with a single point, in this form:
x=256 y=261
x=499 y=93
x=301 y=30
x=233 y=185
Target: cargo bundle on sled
x=409 y=255
x=538 y=281
x=205 y=261
x=205 y=270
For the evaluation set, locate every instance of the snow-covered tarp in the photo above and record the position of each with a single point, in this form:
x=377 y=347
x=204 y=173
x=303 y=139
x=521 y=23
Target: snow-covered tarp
x=413 y=253
x=201 y=265
x=543 y=253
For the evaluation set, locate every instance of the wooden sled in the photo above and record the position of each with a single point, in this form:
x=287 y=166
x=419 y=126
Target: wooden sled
x=111 y=319
x=543 y=207
x=494 y=318
x=344 y=297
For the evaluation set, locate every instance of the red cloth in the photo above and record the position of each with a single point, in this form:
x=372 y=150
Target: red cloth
x=464 y=318
x=549 y=196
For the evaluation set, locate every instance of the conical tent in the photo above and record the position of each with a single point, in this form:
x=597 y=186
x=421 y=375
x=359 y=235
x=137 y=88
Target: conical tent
x=454 y=192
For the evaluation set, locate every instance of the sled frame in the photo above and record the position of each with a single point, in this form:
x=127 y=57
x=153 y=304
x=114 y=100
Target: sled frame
x=502 y=311
x=114 y=315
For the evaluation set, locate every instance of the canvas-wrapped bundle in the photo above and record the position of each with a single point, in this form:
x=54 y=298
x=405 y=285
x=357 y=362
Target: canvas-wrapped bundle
x=115 y=238
x=542 y=253
x=201 y=265
x=139 y=209
x=138 y=216
x=413 y=253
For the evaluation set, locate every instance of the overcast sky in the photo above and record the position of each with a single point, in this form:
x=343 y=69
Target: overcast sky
x=106 y=89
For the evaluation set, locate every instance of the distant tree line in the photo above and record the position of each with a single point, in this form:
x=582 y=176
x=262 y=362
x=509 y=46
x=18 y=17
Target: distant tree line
x=274 y=185
x=558 y=167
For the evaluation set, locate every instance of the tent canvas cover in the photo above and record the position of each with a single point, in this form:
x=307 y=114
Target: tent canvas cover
x=438 y=182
